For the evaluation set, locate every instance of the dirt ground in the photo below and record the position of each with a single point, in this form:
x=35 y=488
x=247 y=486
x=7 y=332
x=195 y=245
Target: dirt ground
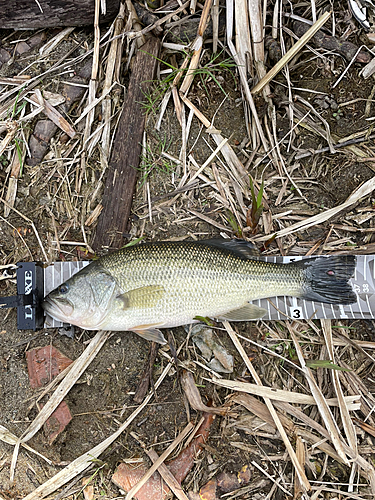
x=47 y=195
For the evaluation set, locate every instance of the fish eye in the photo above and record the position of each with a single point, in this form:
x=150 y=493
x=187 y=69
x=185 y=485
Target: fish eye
x=64 y=288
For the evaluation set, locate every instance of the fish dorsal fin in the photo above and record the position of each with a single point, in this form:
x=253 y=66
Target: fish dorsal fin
x=143 y=297
x=244 y=313
x=242 y=248
x=149 y=332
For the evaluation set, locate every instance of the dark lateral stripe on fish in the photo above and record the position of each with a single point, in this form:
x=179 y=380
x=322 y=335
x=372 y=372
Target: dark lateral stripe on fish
x=328 y=278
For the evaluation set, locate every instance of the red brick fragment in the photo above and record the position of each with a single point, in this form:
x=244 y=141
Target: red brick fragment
x=57 y=422
x=126 y=477
x=44 y=363
x=155 y=488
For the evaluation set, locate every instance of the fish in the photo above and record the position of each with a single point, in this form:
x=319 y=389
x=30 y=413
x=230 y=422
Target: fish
x=150 y=286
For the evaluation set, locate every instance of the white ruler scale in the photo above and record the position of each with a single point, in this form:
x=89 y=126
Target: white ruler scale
x=278 y=308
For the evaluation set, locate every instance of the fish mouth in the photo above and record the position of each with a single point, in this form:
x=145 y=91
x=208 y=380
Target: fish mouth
x=58 y=310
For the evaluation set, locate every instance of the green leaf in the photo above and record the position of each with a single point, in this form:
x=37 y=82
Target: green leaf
x=205 y=320
x=19 y=154
x=256 y=206
x=324 y=363
x=133 y=242
x=232 y=221
x=260 y=195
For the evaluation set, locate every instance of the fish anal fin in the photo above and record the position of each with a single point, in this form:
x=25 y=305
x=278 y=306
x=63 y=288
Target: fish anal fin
x=143 y=297
x=149 y=332
x=245 y=313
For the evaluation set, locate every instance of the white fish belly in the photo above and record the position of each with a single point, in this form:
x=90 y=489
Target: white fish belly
x=186 y=297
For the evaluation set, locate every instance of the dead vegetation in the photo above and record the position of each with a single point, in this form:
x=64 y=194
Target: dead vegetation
x=255 y=128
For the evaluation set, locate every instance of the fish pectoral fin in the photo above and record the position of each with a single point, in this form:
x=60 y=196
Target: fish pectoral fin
x=143 y=297
x=244 y=313
x=149 y=332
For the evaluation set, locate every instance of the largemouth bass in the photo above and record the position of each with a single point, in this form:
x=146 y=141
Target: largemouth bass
x=162 y=285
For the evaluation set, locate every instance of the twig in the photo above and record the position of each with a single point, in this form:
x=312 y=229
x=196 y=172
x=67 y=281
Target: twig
x=32 y=225
x=209 y=159
x=299 y=470
x=163 y=471
x=359 y=193
x=234 y=163
x=160 y=460
x=158 y=23
x=271 y=478
x=337 y=145
x=291 y=53
x=68 y=382
x=81 y=463
x=351 y=62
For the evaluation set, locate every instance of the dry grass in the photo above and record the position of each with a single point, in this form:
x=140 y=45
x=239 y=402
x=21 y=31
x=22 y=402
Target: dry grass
x=195 y=181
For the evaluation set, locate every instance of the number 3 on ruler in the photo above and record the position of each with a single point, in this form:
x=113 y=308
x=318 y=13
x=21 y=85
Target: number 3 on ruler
x=296 y=312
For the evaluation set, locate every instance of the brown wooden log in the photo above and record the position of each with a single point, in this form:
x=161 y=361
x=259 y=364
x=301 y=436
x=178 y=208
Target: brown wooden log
x=122 y=170
x=26 y=14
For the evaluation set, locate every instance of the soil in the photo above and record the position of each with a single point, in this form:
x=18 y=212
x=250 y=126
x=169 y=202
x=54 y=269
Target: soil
x=103 y=396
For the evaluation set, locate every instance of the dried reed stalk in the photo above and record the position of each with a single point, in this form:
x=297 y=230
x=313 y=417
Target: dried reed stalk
x=344 y=410
x=160 y=461
x=243 y=75
x=291 y=53
x=81 y=463
x=197 y=49
x=113 y=56
x=243 y=42
x=299 y=470
x=94 y=74
x=281 y=395
x=321 y=402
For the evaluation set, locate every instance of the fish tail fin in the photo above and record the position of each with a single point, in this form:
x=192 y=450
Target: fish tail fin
x=327 y=279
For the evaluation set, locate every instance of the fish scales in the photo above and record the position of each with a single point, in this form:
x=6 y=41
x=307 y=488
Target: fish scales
x=198 y=280
x=157 y=285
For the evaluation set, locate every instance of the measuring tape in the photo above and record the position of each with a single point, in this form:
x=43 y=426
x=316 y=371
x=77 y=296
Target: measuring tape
x=363 y=282
x=35 y=280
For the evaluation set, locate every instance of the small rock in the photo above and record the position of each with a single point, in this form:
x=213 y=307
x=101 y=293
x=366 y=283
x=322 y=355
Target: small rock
x=37 y=39
x=4 y=56
x=22 y=47
x=203 y=338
